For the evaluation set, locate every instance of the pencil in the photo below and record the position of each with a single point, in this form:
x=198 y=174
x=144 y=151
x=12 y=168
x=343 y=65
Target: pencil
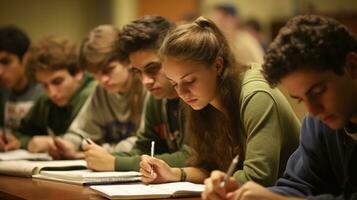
x=230 y=171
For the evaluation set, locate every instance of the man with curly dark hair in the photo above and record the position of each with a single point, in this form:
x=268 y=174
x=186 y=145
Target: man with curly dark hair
x=315 y=59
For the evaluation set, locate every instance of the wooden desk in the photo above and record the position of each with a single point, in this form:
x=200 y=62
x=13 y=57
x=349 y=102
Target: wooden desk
x=27 y=188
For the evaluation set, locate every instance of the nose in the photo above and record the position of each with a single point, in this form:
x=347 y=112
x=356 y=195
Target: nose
x=182 y=91
x=1 y=70
x=147 y=80
x=52 y=91
x=102 y=78
x=314 y=108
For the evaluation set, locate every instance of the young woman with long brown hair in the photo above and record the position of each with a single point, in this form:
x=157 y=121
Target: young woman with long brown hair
x=231 y=111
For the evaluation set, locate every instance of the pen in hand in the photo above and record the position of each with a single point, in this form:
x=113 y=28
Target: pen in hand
x=230 y=171
x=4 y=137
x=152 y=154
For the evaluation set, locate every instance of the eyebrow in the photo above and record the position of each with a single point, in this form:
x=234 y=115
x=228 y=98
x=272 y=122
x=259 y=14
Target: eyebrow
x=307 y=93
x=147 y=65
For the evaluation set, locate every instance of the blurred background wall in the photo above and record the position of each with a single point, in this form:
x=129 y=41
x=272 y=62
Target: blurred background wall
x=75 y=18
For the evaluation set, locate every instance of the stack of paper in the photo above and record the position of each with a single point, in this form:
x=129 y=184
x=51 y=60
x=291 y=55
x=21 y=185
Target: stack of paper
x=88 y=177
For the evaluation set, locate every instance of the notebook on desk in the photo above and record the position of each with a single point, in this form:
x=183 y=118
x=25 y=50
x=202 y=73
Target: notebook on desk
x=154 y=191
x=88 y=177
x=21 y=154
x=27 y=168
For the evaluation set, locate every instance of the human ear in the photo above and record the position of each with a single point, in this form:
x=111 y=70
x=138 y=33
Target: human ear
x=219 y=65
x=351 y=64
x=79 y=75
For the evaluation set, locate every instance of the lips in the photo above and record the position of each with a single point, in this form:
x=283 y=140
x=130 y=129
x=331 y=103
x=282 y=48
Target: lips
x=327 y=118
x=153 y=89
x=190 y=101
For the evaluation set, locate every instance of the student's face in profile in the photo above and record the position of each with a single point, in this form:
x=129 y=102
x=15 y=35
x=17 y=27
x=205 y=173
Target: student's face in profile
x=148 y=65
x=195 y=83
x=115 y=77
x=12 y=70
x=329 y=96
x=59 y=85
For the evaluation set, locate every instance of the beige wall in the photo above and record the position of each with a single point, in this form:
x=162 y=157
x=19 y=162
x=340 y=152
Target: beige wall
x=68 y=18
x=268 y=10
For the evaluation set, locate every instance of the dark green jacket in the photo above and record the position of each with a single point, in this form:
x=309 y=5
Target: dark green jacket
x=155 y=126
x=45 y=115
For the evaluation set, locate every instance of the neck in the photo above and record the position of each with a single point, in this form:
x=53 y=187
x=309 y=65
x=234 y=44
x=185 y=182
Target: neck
x=354 y=119
x=218 y=105
x=128 y=85
x=173 y=95
x=21 y=84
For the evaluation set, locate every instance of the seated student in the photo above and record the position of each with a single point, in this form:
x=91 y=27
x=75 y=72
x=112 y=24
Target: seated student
x=162 y=120
x=231 y=112
x=54 y=64
x=112 y=113
x=315 y=59
x=18 y=90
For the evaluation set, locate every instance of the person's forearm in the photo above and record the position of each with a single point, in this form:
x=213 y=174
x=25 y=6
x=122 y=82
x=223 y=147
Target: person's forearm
x=193 y=174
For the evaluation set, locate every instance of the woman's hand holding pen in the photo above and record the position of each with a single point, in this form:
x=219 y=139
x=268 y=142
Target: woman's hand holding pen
x=154 y=170
x=98 y=158
x=8 y=143
x=213 y=186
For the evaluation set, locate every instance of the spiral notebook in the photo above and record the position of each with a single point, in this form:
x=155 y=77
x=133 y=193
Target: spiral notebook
x=88 y=177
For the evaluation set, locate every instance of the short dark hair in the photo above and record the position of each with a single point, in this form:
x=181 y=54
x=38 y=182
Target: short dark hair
x=54 y=53
x=13 y=40
x=308 y=42
x=147 y=32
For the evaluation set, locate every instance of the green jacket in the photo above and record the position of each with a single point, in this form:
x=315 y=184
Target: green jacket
x=45 y=115
x=167 y=133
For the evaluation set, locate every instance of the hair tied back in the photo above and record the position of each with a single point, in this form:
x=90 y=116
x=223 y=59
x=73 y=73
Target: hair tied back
x=203 y=22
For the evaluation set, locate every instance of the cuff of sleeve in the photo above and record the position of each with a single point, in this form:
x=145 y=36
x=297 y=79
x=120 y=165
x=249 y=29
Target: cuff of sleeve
x=24 y=139
x=123 y=163
x=74 y=139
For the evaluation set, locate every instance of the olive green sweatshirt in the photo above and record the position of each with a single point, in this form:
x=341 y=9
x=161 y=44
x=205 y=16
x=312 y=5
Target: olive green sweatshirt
x=163 y=122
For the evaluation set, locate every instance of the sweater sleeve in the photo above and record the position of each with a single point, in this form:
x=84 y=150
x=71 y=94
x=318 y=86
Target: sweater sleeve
x=331 y=197
x=259 y=115
x=305 y=173
x=88 y=122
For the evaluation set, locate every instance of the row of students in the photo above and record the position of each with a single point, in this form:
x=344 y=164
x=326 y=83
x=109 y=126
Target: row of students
x=262 y=115
x=53 y=64
x=228 y=109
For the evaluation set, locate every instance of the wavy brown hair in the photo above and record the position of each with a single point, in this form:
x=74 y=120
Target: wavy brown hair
x=213 y=135
x=101 y=47
x=54 y=53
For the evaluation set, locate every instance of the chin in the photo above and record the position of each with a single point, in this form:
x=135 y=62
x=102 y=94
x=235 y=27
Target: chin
x=197 y=107
x=336 y=124
x=61 y=104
